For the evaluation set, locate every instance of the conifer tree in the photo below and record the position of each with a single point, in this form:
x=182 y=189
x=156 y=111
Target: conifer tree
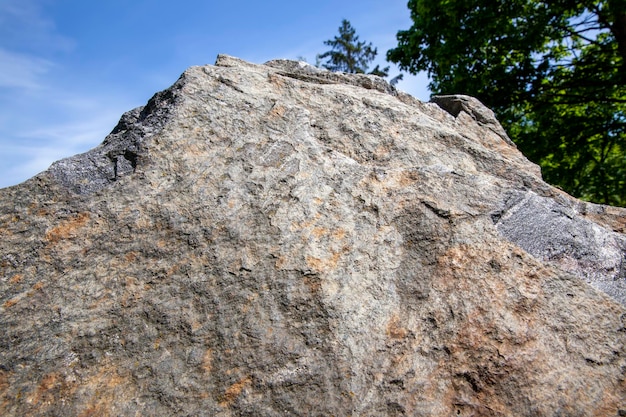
x=348 y=54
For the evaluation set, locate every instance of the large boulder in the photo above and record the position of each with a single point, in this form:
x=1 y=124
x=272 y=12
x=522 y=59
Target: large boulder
x=269 y=240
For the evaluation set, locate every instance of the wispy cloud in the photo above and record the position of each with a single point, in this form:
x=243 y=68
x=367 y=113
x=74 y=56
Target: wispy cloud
x=29 y=44
x=40 y=119
x=32 y=151
x=22 y=71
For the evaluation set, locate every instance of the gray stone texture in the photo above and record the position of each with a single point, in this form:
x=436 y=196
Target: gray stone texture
x=272 y=240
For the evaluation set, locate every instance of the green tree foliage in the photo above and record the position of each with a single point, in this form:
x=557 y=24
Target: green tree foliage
x=348 y=54
x=553 y=71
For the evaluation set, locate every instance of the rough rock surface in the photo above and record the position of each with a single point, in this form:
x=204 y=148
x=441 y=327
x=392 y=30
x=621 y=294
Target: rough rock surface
x=271 y=240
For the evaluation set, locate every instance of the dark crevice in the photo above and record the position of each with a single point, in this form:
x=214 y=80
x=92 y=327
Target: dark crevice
x=123 y=163
x=131 y=157
x=444 y=214
x=471 y=380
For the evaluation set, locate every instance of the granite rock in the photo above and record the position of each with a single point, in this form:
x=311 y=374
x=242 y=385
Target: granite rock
x=271 y=240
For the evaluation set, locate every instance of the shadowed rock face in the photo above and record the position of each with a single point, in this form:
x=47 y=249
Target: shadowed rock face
x=275 y=239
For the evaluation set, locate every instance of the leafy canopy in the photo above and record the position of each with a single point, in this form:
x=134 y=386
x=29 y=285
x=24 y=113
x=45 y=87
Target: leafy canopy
x=553 y=71
x=348 y=54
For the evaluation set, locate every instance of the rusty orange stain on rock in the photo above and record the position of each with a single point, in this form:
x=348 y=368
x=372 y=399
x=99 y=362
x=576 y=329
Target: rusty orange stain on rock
x=10 y=303
x=47 y=390
x=395 y=329
x=130 y=257
x=408 y=177
x=232 y=392
x=305 y=224
x=4 y=386
x=340 y=233
x=108 y=389
x=207 y=361
x=319 y=232
x=610 y=403
x=16 y=278
x=277 y=80
x=67 y=228
x=325 y=264
x=280 y=262
x=277 y=111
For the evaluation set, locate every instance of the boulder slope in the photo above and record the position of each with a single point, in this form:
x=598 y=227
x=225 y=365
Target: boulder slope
x=277 y=240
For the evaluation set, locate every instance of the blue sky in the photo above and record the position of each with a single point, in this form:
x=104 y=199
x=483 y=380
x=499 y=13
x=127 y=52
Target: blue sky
x=70 y=68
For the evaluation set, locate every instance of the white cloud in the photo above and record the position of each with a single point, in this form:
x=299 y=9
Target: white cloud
x=76 y=135
x=38 y=115
x=22 y=71
x=29 y=42
x=30 y=152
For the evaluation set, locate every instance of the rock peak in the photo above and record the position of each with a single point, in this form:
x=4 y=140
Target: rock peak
x=279 y=239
